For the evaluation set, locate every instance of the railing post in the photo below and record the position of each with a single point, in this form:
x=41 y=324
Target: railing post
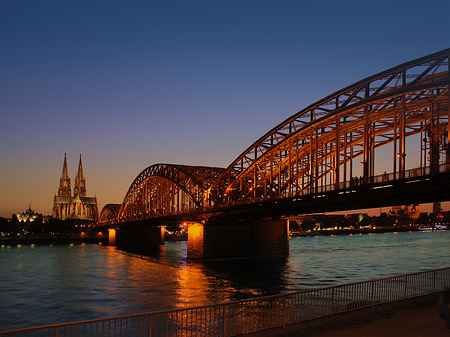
x=57 y=332
x=149 y=326
x=284 y=312
x=332 y=302
x=406 y=287
x=434 y=282
x=224 y=328
x=373 y=293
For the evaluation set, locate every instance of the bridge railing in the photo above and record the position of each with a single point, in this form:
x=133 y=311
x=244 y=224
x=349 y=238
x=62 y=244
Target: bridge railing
x=354 y=183
x=377 y=180
x=253 y=315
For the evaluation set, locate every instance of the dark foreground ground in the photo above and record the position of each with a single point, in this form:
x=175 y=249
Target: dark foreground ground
x=415 y=318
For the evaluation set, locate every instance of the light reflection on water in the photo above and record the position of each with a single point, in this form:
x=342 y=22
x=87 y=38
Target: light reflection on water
x=42 y=285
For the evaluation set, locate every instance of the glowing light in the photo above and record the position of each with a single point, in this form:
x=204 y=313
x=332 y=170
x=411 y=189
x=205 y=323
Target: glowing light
x=195 y=240
x=111 y=236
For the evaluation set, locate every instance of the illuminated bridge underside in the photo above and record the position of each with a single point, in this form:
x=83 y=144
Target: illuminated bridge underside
x=391 y=122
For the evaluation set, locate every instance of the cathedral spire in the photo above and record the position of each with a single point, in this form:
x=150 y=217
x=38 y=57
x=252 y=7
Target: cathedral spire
x=64 y=182
x=80 y=183
x=65 y=173
x=80 y=169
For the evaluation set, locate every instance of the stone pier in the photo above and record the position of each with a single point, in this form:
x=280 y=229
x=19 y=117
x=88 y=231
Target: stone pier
x=227 y=238
x=150 y=236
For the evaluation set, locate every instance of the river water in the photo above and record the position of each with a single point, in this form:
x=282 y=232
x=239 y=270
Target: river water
x=50 y=284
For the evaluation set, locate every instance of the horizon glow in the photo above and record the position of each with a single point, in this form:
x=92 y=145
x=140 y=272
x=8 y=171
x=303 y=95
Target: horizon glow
x=131 y=84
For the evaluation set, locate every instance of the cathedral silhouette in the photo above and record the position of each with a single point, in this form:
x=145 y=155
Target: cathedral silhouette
x=78 y=206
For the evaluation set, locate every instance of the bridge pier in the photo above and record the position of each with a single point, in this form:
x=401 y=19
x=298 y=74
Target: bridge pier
x=112 y=236
x=149 y=237
x=226 y=238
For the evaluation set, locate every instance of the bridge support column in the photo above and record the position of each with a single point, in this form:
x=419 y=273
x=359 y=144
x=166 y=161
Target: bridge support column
x=150 y=237
x=448 y=129
x=111 y=236
x=227 y=238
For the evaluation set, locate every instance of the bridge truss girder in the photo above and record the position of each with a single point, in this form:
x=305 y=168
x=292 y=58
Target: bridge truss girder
x=319 y=145
x=329 y=143
x=165 y=189
x=109 y=212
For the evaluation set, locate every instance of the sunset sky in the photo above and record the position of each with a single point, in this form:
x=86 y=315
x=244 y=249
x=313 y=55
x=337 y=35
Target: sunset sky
x=128 y=84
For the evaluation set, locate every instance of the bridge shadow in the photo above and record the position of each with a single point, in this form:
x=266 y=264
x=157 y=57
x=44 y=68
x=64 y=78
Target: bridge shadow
x=252 y=276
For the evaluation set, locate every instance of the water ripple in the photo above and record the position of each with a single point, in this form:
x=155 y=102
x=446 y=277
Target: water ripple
x=56 y=284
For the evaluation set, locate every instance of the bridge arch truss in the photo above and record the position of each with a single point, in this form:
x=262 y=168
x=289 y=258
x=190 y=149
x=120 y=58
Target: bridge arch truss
x=166 y=189
x=392 y=123
x=342 y=136
x=110 y=212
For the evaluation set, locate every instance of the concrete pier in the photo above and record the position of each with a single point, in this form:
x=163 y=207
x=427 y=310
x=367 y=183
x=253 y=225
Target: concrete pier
x=150 y=237
x=227 y=238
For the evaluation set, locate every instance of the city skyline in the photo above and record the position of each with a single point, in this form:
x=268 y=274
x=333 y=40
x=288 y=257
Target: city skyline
x=128 y=85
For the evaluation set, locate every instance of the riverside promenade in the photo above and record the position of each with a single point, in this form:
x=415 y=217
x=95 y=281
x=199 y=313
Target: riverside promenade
x=407 y=322
x=415 y=318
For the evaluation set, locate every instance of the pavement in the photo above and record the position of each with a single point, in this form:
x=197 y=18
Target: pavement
x=417 y=321
x=414 y=318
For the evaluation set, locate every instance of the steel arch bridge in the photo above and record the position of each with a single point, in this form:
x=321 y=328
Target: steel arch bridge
x=110 y=212
x=401 y=114
x=166 y=189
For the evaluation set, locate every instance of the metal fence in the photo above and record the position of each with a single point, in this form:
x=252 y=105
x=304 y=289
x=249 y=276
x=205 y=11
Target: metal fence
x=247 y=316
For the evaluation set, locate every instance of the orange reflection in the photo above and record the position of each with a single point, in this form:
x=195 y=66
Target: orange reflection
x=193 y=286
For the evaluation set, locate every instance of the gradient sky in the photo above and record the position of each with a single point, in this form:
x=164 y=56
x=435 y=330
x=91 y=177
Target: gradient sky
x=128 y=84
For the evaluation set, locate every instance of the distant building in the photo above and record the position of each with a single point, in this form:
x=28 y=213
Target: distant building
x=411 y=211
x=78 y=206
x=28 y=215
x=437 y=208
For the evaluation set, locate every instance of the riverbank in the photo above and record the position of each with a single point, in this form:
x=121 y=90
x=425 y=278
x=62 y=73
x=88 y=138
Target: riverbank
x=357 y=231
x=50 y=240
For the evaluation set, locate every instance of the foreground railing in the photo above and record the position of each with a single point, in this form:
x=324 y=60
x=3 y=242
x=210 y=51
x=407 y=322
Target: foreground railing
x=246 y=316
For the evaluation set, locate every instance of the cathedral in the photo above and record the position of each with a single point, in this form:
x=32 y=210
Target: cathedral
x=78 y=206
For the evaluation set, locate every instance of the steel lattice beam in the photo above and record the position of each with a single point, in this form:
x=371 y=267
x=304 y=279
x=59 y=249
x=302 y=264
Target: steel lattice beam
x=165 y=189
x=366 y=112
x=328 y=143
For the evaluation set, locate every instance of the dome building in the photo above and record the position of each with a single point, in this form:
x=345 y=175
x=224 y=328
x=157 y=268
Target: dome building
x=28 y=215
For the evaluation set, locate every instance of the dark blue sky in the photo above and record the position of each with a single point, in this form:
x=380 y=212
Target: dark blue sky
x=132 y=83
